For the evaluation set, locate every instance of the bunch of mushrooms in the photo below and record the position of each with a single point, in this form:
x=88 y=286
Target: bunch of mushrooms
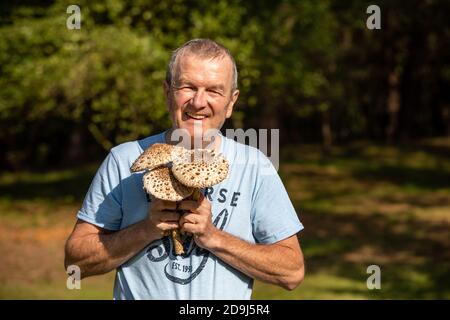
x=175 y=173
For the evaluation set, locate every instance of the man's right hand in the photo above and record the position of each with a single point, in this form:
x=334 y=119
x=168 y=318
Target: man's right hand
x=162 y=217
x=96 y=250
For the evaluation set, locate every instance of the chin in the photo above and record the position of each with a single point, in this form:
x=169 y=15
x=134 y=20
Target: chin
x=193 y=129
x=189 y=136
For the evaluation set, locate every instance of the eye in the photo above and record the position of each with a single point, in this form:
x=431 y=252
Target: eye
x=186 y=87
x=214 y=92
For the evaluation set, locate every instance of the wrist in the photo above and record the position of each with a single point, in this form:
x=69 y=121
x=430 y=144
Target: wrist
x=215 y=240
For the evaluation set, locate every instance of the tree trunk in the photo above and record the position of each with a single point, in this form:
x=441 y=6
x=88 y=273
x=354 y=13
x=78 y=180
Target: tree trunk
x=327 y=138
x=393 y=106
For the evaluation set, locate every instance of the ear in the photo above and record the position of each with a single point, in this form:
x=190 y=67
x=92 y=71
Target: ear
x=166 y=88
x=234 y=97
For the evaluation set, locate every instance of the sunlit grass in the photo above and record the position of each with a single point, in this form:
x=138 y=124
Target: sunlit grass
x=318 y=285
x=98 y=288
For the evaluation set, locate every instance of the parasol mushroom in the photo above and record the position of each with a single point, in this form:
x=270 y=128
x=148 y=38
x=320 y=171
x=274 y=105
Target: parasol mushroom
x=160 y=182
x=191 y=170
x=200 y=168
x=156 y=155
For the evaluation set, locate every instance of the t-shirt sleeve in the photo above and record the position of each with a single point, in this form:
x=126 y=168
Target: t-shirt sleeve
x=102 y=205
x=273 y=215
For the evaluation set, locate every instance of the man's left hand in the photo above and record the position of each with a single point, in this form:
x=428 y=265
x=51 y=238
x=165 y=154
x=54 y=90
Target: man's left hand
x=198 y=221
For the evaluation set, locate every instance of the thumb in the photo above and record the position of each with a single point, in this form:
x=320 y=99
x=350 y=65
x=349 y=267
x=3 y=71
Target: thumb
x=200 y=196
x=203 y=199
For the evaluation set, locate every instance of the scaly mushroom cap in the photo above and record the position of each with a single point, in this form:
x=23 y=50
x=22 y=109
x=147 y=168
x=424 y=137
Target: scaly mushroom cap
x=156 y=155
x=161 y=183
x=200 y=168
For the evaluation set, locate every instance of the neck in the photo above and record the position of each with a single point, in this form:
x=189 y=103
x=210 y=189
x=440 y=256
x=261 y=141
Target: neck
x=194 y=142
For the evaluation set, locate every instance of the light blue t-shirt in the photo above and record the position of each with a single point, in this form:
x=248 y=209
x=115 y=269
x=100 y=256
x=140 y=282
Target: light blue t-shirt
x=251 y=204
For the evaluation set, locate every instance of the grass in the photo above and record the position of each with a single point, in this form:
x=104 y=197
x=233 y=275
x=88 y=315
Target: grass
x=362 y=204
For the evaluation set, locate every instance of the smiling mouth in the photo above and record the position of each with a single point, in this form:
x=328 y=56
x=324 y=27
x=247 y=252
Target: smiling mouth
x=195 y=116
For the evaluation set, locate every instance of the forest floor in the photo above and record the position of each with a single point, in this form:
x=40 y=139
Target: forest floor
x=361 y=205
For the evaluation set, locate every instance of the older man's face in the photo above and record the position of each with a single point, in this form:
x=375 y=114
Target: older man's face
x=202 y=94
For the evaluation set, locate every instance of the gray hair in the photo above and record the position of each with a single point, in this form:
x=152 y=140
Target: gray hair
x=204 y=48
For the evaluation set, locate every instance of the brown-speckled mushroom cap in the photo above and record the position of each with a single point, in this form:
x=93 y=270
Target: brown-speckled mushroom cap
x=200 y=168
x=156 y=155
x=161 y=183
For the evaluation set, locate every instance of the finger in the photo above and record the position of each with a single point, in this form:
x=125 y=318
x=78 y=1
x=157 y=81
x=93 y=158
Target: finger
x=158 y=204
x=168 y=216
x=188 y=205
x=164 y=205
x=184 y=220
x=190 y=218
x=189 y=228
x=167 y=226
x=169 y=205
x=204 y=202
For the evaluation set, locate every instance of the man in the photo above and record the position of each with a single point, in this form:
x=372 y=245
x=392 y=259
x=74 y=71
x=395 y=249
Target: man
x=241 y=229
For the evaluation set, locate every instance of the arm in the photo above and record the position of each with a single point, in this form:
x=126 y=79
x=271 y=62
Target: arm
x=97 y=251
x=280 y=263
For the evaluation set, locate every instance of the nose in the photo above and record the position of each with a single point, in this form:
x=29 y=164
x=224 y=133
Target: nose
x=199 y=101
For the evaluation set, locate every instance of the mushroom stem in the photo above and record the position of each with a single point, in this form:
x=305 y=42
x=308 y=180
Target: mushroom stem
x=196 y=194
x=176 y=237
x=175 y=233
x=177 y=241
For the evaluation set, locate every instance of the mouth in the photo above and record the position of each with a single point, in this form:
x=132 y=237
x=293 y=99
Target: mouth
x=196 y=116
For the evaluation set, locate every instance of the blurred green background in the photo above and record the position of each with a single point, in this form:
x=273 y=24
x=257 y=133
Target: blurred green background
x=364 y=119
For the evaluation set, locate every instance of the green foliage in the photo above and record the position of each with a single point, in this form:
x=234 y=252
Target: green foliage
x=307 y=67
x=106 y=78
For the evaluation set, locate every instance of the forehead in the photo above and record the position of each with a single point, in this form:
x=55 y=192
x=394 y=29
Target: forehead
x=204 y=71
